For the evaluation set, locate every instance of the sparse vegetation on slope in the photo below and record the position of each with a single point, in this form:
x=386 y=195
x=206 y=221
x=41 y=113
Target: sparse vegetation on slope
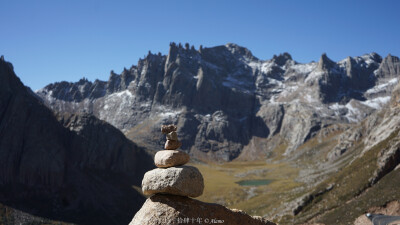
x=346 y=200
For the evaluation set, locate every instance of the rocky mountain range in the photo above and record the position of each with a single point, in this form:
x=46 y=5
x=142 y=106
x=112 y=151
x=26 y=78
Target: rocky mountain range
x=336 y=123
x=63 y=167
x=362 y=176
x=229 y=104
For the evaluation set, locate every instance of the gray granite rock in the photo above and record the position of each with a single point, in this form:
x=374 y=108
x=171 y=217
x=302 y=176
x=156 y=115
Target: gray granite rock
x=183 y=180
x=169 y=158
x=170 y=210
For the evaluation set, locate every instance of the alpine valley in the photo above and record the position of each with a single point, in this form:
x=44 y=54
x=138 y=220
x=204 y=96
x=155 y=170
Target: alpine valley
x=324 y=136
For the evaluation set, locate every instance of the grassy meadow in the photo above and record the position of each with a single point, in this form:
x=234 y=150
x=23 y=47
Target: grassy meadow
x=221 y=185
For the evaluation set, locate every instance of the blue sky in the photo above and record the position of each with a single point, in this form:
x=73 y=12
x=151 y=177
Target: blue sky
x=50 y=41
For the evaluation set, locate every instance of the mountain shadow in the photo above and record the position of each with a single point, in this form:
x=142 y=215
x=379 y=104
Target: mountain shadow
x=64 y=167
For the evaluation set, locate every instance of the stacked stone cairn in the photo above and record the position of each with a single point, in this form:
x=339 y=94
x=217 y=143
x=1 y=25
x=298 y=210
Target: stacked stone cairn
x=170 y=187
x=172 y=176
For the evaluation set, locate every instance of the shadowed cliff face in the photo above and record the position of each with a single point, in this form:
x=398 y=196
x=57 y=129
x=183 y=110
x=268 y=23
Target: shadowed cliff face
x=73 y=168
x=223 y=98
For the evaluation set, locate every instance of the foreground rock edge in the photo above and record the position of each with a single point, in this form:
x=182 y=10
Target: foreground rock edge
x=173 y=210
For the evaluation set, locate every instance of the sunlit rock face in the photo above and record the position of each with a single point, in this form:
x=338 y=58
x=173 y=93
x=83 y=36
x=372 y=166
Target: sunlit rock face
x=223 y=97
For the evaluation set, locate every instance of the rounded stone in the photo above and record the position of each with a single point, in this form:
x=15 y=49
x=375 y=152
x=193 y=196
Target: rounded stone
x=169 y=158
x=172 y=145
x=182 y=180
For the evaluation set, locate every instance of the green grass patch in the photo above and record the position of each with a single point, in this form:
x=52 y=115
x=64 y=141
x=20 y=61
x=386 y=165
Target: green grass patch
x=221 y=185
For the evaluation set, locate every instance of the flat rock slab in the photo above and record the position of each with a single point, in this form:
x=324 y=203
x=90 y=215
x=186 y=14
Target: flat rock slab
x=182 y=180
x=174 y=210
x=169 y=158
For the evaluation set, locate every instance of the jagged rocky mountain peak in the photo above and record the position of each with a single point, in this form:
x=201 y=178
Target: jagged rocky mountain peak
x=7 y=65
x=224 y=96
x=325 y=63
x=241 y=51
x=376 y=57
x=390 y=59
x=83 y=80
x=389 y=68
x=350 y=60
x=175 y=48
x=281 y=59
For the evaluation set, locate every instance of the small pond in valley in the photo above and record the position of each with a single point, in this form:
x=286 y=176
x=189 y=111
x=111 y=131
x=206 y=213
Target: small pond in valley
x=254 y=182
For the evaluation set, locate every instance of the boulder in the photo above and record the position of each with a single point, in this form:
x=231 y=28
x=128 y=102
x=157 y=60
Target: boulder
x=182 y=180
x=170 y=209
x=169 y=158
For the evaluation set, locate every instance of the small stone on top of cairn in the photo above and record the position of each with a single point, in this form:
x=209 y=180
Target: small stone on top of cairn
x=172 y=142
x=165 y=129
x=171 y=157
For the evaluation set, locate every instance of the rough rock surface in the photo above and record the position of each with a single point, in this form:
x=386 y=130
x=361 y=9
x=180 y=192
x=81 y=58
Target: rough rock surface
x=166 y=129
x=232 y=97
x=173 y=136
x=182 y=180
x=62 y=170
x=173 y=210
x=172 y=145
x=390 y=209
x=168 y=158
x=395 y=99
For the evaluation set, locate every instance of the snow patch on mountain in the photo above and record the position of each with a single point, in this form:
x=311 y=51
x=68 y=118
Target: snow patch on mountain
x=119 y=103
x=382 y=87
x=304 y=68
x=315 y=74
x=377 y=103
